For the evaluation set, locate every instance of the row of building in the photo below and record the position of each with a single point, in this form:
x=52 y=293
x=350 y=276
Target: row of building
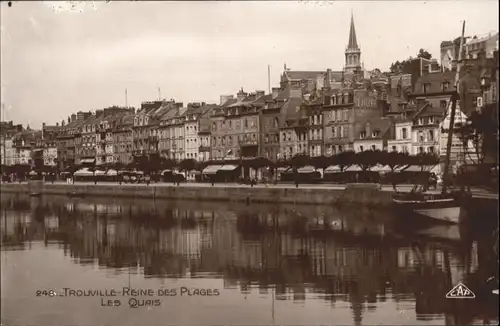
x=311 y=112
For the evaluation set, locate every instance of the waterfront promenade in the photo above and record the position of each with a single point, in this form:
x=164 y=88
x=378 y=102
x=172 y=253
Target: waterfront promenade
x=313 y=194
x=476 y=192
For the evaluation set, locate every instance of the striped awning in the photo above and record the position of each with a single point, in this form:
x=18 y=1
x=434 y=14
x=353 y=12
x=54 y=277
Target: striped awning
x=353 y=168
x=306 y=169
x=87 y=161
x=211 y=169
x=112 y=172
x=83 y=173
x=380 y=168
x=100 y=172
x=332 y=169
x=228 y=167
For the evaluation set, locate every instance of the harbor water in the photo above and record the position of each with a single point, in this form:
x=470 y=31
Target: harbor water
x=105 y=261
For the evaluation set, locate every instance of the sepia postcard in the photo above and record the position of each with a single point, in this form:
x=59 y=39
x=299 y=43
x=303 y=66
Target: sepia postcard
x=249 y=163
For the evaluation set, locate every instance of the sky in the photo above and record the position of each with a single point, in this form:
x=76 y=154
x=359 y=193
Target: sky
x=55 y=62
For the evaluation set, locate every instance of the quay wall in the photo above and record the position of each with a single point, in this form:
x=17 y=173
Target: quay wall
x=353 y=195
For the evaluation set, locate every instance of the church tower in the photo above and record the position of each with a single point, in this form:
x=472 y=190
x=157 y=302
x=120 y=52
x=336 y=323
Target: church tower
x=352 y=52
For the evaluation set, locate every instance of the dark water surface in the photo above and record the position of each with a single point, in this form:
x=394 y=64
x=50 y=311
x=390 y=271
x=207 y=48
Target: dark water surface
x=211 y=263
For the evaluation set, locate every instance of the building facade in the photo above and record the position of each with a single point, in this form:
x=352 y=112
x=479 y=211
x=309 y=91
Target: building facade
x=402 y=140
x=374 y=135
x=345 y=112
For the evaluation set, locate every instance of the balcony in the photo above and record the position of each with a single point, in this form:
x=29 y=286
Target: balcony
x=204 y=149
x=248 y=142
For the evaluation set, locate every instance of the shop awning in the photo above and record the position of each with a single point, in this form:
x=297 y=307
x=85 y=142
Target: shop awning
x=112 y=172
x=228 y=167
x=167 y=171
x=100 y=172
x=380 y=168
x=83 y=173
x=33 y=173
x=416 y=168
x=332 y=169
x=306 y=169
x=282 y=169
x=211 y=169
x=87 y=161
x=353 y=168
x=194 y=172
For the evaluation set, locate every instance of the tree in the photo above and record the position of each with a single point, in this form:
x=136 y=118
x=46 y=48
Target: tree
x=394 y=159
x=480 y=130
x=298 y=161
x=424 y=54
x=187 y=165
x=343 y=160
x=367 y=159
x=320 y=162
x=425 y=159
x=405 y=65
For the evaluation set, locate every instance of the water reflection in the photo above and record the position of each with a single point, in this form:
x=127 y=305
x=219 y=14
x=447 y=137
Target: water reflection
x=353 y=260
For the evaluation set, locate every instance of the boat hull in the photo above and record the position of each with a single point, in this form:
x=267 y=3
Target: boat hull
x=438 y=208
x=447 y=214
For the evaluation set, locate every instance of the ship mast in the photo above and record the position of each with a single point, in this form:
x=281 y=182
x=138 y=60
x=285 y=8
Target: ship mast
x=451 y=127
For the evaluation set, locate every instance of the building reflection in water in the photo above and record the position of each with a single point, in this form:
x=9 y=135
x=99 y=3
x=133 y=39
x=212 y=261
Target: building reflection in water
x=297 y=253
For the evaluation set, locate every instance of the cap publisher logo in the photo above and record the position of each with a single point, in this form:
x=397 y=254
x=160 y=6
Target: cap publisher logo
x=460 y=291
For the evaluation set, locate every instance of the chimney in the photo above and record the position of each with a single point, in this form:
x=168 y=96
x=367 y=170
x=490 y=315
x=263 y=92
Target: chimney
x=241 y=95
x=224 y=98
x=259 y=93
x=203 y=103
x=57 y=124
x=99 y=113
x=295 y=93
x=62 y=123
x=73 y=117
x=275 y=91
x=43 y=125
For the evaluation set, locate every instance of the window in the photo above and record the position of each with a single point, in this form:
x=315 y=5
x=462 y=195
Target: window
x=362 y=135
x=405 y=149
x=442 y=104
x=420 y=121
x=431 y=135
x=445 y=86
x=426 y=87
x=421 y=150
x=421 y=136
x=376 y=134
x=394 y=149
x=333 y=132
x=374 y=148
x=431 y=149
x=284 y=137
x=431 y=120
x=361 y=148
x=246 y=123
x=403 y=133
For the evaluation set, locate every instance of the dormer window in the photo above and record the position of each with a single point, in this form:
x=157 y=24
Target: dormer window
x=426 y=87
x=362 y=135
x=376 y=134
x=445 y=86
x=431 y=120
x=420 y=121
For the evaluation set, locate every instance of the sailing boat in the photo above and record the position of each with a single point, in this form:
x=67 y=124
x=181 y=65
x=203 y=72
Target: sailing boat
x=446 y=206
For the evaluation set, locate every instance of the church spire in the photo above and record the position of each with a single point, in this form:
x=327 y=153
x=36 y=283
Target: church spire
x=353 y=42
x=352 y=52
